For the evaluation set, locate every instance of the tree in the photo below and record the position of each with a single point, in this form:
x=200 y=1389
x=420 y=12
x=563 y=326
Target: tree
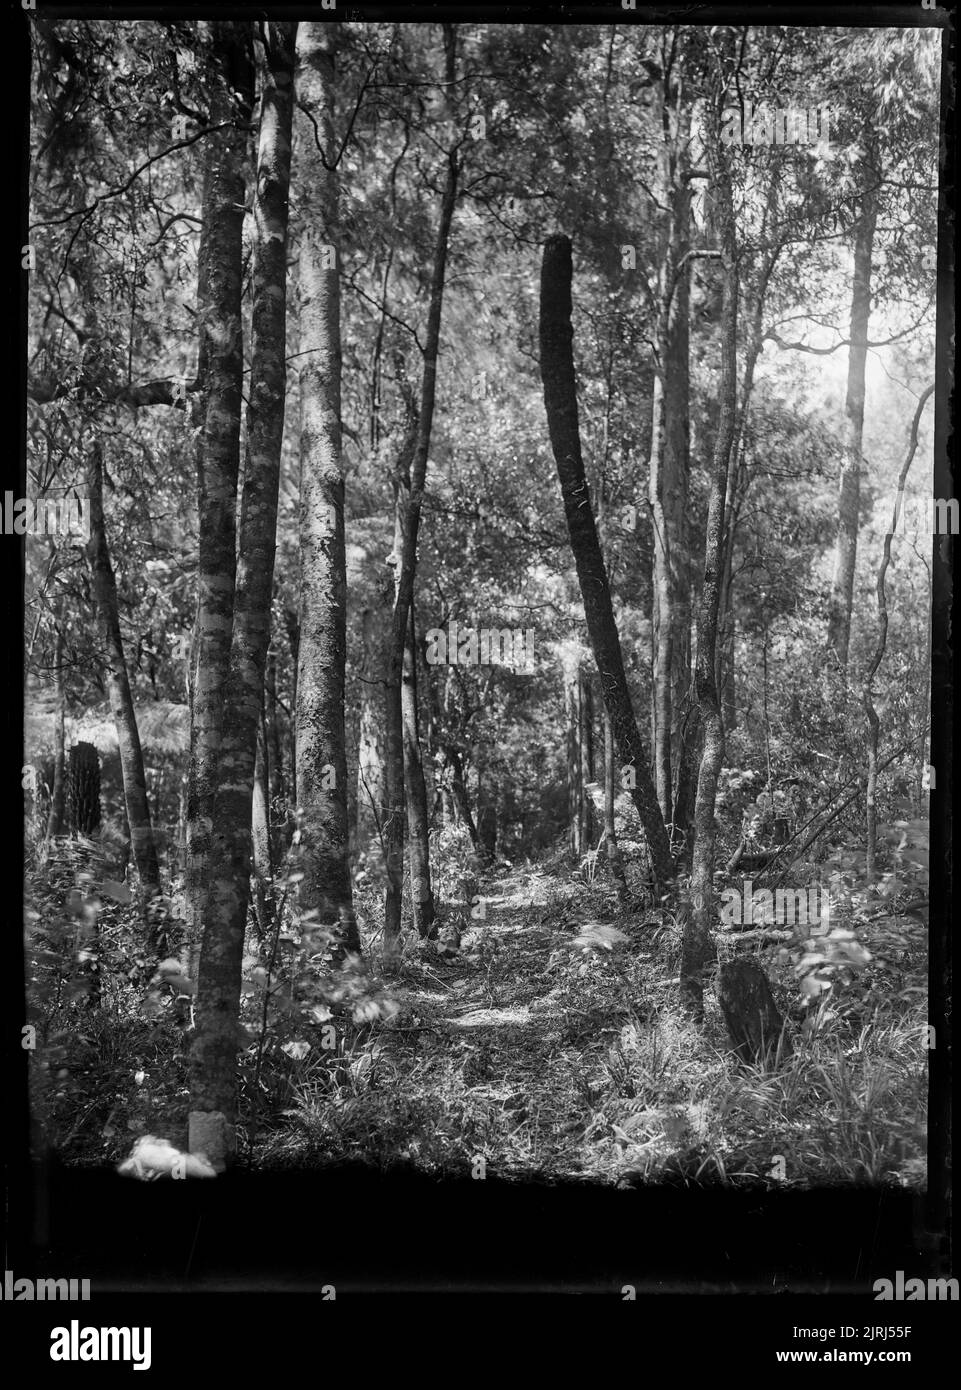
x=214 y=1047
x=118 y=690
x=697 y=946
x=873 y=719
x=560 y=402
x=220 y=373
x=406 y=569
x=324 y=893
x=669 y=457
x=849 y=497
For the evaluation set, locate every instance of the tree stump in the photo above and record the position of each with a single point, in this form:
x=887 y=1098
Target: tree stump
x=84 y=789
x=755 y=1026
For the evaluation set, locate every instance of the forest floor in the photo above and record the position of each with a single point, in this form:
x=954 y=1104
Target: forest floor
x=551 y=1046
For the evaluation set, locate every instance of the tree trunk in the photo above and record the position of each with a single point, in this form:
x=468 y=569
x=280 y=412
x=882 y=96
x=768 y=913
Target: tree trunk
x=220 y=372
x=486 y=810
x=849 y=496
x=726 y=650
x=697 y=948
x=371 y=785
x=685 y=794
x=118 y=690
x=560 y=400
x=610 y=825
x=395 y=800
x=214 y=1044
x=325 y=890
x=292 y=624
x=726 y=621
x=874 y=722
x=670 y=464
x=405 y=576
x=274 y=740
x=421 y=892
x=585 y=743
x=57 y=816
x=262 y=849
x=575 y=783
x=459 y=793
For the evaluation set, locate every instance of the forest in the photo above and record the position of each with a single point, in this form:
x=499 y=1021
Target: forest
x=480 y=540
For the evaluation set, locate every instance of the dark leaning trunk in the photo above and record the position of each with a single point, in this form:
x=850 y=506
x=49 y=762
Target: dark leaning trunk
x=560 y=400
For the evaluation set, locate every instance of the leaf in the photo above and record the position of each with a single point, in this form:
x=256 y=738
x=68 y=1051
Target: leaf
x=297 y=1051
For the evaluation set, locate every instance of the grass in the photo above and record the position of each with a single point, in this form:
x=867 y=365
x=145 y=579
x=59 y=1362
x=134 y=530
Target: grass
x=561 y=1061
x=551 y=1045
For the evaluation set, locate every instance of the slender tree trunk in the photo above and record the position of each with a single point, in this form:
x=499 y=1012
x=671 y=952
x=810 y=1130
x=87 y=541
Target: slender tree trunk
x=422 y=897
x=118 y=691
x=560 y=400
x=214 y=1045
x=849 y=496
x=325 y=890
x=661 y=592
x=274 y=738
x=370 y=777
x=459 y=793
x=585 y=743
x=610 y=824
x=371 y=793
x=220 y=371
x=405 y=575
x=55 y=820
x=697 y=945
x=486 y=809
x=726 y=622
x=670 y=466
x=726 y=649
x=575 y=785
x=292 y=625
x=873 y=719
x=686 y=790
x=395 y=798
x=261 y=843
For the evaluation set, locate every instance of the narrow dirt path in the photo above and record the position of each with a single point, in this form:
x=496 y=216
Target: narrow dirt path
x=496 y=1023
